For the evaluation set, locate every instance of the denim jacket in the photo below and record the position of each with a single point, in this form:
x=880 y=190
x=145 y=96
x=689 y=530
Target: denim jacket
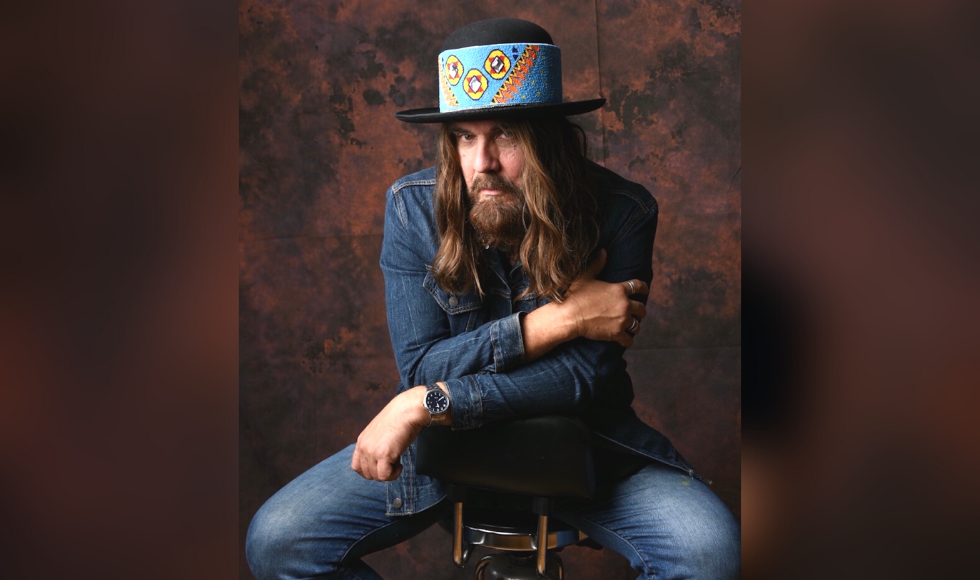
x=476 y=347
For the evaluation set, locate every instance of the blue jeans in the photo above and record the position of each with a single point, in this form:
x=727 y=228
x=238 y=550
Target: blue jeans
x=666 y=523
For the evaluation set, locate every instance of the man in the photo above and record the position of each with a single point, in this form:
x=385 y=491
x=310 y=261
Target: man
x=510 y=270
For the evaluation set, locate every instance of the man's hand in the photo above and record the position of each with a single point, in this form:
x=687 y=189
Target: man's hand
x=603 y=311
x=592 y=308
x=379 y=446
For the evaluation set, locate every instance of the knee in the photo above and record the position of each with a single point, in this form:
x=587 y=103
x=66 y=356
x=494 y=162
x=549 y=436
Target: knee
x=264 y=545
x=274 y=546
x=711 y=547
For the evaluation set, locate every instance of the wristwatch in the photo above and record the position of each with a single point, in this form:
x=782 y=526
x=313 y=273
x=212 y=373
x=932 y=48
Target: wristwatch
x=437 y=403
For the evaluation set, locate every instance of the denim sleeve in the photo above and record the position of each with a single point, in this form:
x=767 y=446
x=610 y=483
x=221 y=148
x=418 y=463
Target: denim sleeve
x=424 y=347
x=568 y=378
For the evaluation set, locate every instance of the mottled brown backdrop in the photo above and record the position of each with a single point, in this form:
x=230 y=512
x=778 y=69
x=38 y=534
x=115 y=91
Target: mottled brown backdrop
x=320 y=82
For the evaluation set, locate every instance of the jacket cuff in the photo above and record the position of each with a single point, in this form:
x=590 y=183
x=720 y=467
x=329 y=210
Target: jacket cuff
x=507 y=341
x=467 y=405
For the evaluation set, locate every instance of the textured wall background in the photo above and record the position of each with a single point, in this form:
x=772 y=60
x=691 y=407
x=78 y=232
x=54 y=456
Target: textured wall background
x=319 y=145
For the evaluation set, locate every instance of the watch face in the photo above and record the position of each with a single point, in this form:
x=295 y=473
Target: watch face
x=436 y=401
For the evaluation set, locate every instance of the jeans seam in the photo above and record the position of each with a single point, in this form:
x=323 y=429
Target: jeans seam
x=356 y=542
x=639 y=556
x=347 y=552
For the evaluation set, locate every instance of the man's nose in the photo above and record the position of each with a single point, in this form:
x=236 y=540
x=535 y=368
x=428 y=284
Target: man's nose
x=485 y=158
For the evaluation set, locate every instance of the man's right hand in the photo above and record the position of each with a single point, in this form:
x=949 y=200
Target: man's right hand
x=592 y=309
x=603 y=310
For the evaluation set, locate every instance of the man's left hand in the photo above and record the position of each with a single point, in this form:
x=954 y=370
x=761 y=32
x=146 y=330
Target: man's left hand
x=388 y=435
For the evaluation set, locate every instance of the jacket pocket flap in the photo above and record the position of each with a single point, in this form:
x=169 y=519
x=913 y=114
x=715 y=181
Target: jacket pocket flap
x=451 y=303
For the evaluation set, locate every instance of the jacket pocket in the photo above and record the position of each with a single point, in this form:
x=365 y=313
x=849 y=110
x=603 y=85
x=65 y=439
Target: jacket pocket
x=462 y=310
x=452 y=303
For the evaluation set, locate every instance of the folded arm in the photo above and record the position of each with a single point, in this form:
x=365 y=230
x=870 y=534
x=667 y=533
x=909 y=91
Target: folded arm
x=500 y=364
x=552 y=359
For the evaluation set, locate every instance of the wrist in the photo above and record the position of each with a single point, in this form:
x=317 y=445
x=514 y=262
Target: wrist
x=570 y=322
x=436 y=404
x=416 y=411
x=546 y=327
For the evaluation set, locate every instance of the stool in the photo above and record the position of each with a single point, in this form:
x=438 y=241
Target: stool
x=515 y=469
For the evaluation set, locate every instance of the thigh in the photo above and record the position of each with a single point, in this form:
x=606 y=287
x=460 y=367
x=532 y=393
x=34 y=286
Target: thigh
x=666 y=523
x=323 y=520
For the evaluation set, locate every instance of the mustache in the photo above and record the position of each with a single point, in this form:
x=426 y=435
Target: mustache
x=493 y=181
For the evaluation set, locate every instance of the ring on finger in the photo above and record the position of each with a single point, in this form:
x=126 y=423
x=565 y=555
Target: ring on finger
x=632 y=287
x=632 y=329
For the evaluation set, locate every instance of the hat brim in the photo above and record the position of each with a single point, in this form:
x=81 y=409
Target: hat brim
x=432 y=114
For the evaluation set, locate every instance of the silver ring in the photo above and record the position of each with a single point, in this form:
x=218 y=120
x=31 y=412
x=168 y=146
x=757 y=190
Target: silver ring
x=633 y=327
x=632 y=287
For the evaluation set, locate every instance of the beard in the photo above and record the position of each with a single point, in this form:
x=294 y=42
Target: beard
x=498 y=220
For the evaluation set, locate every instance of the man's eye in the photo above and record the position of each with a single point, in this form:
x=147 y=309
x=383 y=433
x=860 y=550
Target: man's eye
x=506 y=140
x=464 y=136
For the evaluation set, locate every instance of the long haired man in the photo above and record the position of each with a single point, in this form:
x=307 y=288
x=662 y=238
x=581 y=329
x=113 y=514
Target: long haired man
x=516 y=273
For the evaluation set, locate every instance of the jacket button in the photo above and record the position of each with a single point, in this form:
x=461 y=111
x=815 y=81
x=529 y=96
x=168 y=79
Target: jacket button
x=397 y=503
x=453 y=301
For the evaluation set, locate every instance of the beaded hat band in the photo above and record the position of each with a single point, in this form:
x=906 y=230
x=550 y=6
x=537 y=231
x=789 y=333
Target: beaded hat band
x=499 y=75
x=499 y=68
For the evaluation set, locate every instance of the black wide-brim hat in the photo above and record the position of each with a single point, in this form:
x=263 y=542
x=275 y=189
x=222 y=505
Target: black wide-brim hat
x=502 y=68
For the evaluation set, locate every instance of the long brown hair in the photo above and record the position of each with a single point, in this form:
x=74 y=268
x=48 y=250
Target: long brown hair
x=560 y=210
